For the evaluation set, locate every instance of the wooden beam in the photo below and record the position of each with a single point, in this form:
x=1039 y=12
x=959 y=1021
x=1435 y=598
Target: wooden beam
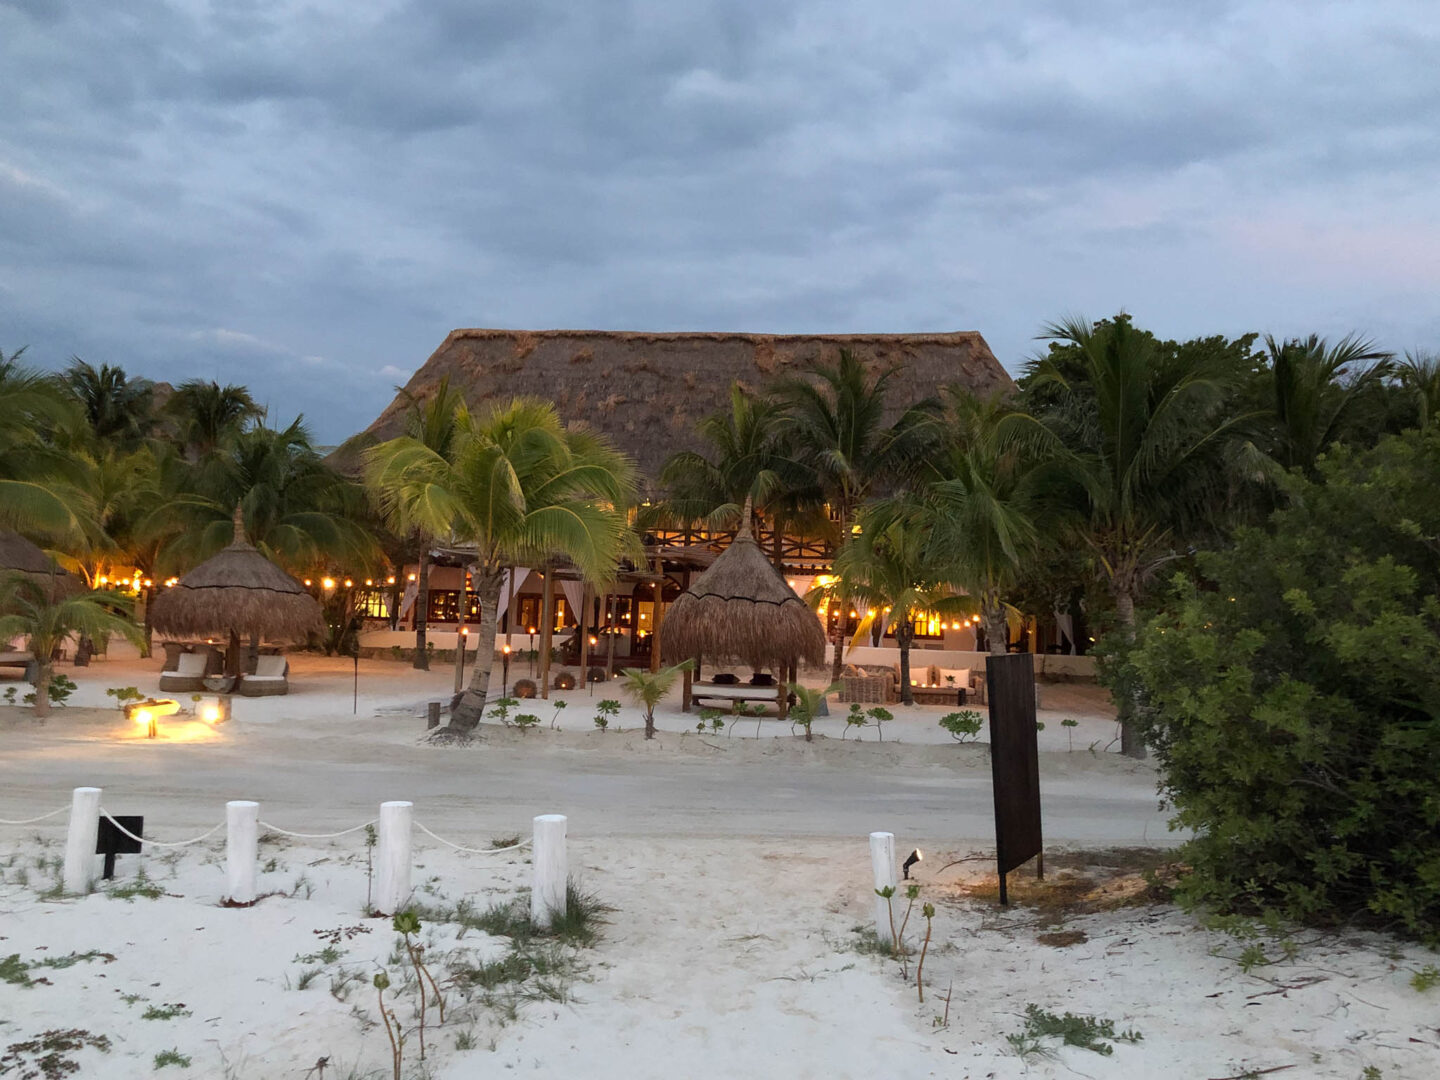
x=547 y=623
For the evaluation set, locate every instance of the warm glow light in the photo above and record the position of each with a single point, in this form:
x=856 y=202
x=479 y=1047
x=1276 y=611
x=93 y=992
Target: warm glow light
x=328 y=583
x=369 y=582
x=870 y=613
x=307 y=582
x=823 y=579
x=148 y=583
x=465 y=631
x=143 y=717
x=348 y=583
x=390 y=580
x=212 y=714
x=532 y=629
x=411 y=578
x=103 y=579
x=592 y=639
x=506 y=650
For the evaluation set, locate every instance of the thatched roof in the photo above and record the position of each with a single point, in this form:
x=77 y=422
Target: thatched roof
x=742 y=609
x=646 y=391
x=19 y=555
x=237 y=590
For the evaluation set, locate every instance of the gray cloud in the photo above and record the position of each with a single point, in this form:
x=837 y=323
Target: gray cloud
x=309 y=199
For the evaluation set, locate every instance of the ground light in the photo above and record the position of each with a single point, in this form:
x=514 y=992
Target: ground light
x=914 y=858
x=505 y=669
x=147 y=712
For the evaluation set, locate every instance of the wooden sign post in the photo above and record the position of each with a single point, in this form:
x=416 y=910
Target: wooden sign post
x=1014 y=763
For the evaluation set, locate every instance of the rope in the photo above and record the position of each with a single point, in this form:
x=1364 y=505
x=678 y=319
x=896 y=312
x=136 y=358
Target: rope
x=157 y=843
x=314 y=836
x=472 y=851
x=31 y=821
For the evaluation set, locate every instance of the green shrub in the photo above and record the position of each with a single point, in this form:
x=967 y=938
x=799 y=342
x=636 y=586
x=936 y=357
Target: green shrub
x=1293 y=698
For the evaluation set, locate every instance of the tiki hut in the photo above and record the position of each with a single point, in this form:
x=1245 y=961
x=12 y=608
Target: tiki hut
x=743 y=610
x=238 y=593
x=18 y=555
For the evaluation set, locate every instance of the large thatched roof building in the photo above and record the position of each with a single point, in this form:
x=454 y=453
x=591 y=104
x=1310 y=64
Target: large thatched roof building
x=647 y=390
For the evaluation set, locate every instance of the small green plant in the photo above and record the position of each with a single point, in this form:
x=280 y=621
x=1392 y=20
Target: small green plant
x=140 y=886
x=397 y=653
x=1070 y=725
x=559 y=705
x=1039 y=725
x=929 y=912
x=854 y=719
x=604 y=710
x=122 y=694
x=888 y=895
x=61 y=687
x=381 y=982
x=526 y=721
x=1086 y=1032
x=10 y=695
x=881 y=716
x=501 y=710
x=808 y=703
x=371 y=839
x=1426 y=978
x=647 y=689
x=15 y=971
x=166 y=1012
x=962 y=725
x=407 y=925
x=1370 y=1072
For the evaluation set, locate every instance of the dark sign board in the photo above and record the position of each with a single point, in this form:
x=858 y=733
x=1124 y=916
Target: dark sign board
x=110 y=841
x=1014 y=761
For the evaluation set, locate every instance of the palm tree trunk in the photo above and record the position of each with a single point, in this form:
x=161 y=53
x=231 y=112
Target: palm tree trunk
x=148 y=643
x=997 y=627
x=467 y=712
x=547 y=629
x=422 y=608
x=44 y=672
x=1132 y=744
x=904 y=634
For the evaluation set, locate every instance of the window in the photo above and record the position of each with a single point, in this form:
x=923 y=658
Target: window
x=373 y=603
x=444 y=606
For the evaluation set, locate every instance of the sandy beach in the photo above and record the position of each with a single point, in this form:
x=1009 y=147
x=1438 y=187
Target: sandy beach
x=737 y=873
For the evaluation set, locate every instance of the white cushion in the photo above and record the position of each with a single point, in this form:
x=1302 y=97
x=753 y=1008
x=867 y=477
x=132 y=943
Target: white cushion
x=270 y=667
x=265 y=678
x=962 y=678
x=191 y=664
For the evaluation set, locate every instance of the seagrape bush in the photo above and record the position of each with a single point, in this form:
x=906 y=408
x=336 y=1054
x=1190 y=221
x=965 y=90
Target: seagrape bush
x=1292 y=695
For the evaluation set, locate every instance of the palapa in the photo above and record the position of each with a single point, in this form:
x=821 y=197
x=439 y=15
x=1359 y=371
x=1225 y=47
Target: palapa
x=743 y=610
x=238 y=592
x=19 y=555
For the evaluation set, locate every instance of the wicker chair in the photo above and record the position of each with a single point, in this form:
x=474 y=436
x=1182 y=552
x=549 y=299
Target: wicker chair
x=868 y=689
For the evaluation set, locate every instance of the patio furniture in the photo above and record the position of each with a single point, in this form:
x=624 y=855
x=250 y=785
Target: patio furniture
x=189 y=673
x=868 y=689
x=735 y=692
x=271 y=678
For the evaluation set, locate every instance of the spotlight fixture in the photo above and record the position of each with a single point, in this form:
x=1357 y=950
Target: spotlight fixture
x=915 y=857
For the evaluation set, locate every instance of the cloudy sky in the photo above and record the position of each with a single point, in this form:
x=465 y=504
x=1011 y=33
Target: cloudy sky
x=307 y=196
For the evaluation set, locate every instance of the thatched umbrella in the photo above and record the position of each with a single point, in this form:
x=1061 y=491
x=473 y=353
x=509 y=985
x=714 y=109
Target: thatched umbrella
x=742 y=609
x=18 y=555
x=236 y=592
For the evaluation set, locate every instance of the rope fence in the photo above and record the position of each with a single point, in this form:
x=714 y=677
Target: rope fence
x=33 y=820
x=394 y=830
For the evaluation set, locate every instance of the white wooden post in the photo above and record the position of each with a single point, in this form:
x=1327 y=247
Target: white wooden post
x=79 y=872
x=242 y=820
x=392 y=888
x=882 y=863
x=551 y=872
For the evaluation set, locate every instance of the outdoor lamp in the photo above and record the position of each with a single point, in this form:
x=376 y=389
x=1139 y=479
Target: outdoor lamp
x=328 y=583
x=914 y=857
x=145 y=713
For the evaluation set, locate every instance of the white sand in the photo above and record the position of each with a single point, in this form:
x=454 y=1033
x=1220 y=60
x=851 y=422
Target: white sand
x=738 y=868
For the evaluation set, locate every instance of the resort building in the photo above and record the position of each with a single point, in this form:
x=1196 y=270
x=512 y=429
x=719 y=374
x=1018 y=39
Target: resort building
x=647 y=392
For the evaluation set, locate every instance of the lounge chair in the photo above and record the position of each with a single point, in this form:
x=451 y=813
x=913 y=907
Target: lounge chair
x=272 y=677
x=189 y=673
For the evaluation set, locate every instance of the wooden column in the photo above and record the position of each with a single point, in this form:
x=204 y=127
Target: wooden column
x=584 y=631
x=782 y=700
x=610 y=639
x=659 y=615
x=547 y=631
x=685 y=683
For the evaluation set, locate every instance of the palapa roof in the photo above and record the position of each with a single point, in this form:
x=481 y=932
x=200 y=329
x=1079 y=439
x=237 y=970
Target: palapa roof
x=742 y=609
x=238 y=590
x=646 y=391
x=17 y=553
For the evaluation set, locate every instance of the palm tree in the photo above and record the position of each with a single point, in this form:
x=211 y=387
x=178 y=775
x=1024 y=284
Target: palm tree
x=648 y=688
x=1139 y=434
x=117 y=408
x=982 y=508
x=1420 y=378
x=434 y=423
x=515 y=488
x=298 y=511
x=835 y=428
x=33 y=408
x=28 y=609
x=207 y=416
x=1323 y=394
x=889 y=569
